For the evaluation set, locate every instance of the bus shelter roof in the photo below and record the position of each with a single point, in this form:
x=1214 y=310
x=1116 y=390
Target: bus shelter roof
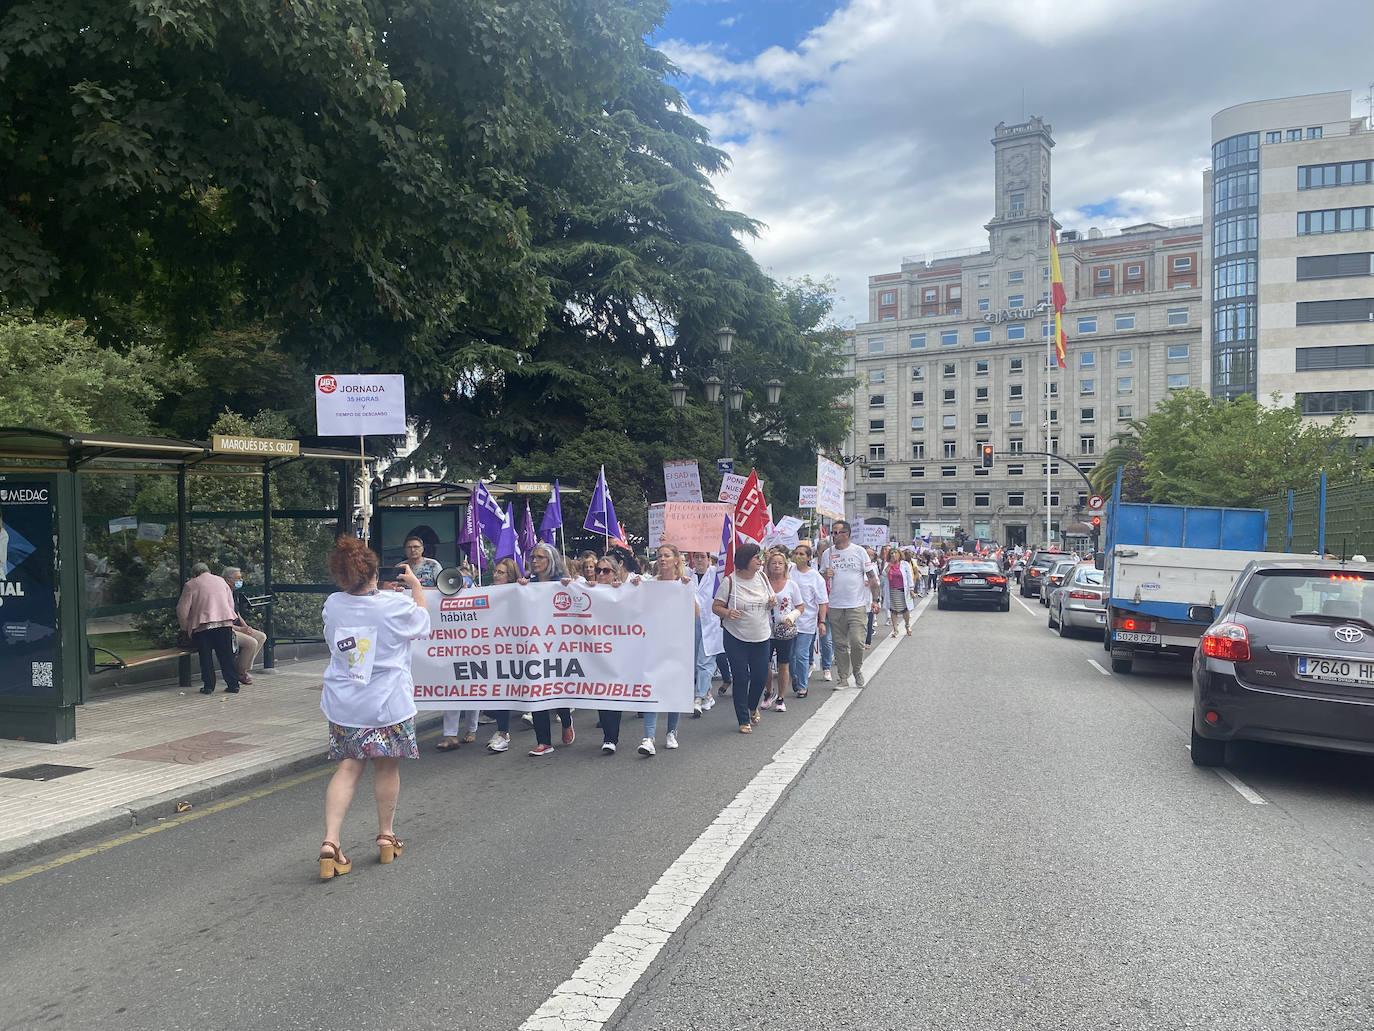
x=76 y=450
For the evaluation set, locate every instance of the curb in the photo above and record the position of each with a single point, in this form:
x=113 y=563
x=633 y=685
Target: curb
x=145 y=812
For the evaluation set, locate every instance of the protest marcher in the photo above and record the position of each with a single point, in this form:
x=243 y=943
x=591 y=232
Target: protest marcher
x=426 y=570
x=504 y=572
x=368 y=694
x=898 y=590
x=205 y=611
x=922 y=572
x=743 y=602
x=546 y=565
x=247 y=639
x=854 y=593
x=609 y=573
x=786 y=611
x=813 y=617
x=668 y=566
x=710 y=640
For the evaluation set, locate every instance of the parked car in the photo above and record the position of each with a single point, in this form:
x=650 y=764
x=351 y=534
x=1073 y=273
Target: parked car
x=1035 y=573
x=973 y=583
x=1288 y=658
x=1079 y=603
x=1054 y=576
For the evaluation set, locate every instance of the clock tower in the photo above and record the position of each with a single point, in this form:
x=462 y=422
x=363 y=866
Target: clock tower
x=1020 y=223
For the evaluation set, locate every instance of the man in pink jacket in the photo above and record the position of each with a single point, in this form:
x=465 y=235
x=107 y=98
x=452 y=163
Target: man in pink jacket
x=206 y=612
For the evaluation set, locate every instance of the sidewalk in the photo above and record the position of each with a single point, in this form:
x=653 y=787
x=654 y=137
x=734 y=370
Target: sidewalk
x=138 y=753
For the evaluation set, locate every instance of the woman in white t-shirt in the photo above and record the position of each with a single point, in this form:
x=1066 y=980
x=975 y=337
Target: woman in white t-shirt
x=368 y=692
x=743 y=601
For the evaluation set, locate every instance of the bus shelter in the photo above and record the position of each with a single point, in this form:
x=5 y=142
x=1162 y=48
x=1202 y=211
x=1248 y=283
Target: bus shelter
x=99 y=532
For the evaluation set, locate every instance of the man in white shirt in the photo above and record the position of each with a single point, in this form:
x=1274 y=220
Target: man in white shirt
x=854 y=592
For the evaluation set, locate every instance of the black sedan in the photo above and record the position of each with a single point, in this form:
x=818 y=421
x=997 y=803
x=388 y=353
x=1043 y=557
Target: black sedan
x=973 y=583
x=1288 y=659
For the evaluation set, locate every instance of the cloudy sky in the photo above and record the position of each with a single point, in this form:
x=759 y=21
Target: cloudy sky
x=859 y=131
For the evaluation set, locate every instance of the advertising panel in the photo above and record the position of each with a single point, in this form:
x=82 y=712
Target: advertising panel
x=28 y=606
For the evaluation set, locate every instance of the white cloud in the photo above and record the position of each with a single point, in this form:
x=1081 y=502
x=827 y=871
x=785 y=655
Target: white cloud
x=869 y=140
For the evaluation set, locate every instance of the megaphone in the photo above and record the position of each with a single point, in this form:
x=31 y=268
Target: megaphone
x=450 y=581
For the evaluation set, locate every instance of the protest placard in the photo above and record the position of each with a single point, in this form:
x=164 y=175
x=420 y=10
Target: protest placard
x=730 y=486
x=869 y=535
x=694 y=527
x=655 y=526
x=682 y=481
x=829 y=488
x=354 y=406
x=806 y=497
x=546 y=646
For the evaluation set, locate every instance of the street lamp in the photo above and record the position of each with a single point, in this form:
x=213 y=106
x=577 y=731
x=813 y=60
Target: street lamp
x=719 y=389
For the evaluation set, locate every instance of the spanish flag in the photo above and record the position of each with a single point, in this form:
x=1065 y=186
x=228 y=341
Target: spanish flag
x=1058 y=299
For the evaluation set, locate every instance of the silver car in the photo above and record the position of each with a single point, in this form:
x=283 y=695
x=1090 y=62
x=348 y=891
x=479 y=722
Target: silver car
x=1078 y=603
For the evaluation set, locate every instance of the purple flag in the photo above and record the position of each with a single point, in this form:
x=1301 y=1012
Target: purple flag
x=601 y=514
x=489 y=515
x=527 y=537
x=553 y=517
x=724 y=549
x=508 y=543
x=468 y=533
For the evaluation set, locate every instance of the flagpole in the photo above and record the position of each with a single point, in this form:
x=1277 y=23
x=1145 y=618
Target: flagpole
x=1049 y=356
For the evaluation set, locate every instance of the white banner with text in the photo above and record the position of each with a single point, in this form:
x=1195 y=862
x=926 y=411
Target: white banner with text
x=546 y=646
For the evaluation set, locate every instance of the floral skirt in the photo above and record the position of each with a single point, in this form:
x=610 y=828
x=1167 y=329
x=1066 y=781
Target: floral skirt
x=394 y=742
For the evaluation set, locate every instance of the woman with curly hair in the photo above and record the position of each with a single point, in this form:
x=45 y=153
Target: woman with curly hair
x=368 y=693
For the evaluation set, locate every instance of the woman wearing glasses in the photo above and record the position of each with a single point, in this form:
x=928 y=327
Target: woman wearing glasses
x=816 y=600
x=743 y=602
x=669 y=566
x=545 y=565
x=609 y=573
x=504 y=572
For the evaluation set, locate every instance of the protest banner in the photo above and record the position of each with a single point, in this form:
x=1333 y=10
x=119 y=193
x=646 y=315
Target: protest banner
x=693 y=527
x=655 y=526
x=682 y=481
x=546 y=646
x=806 y=497
x=869 y=535
x=829 y=488
x=356 y=406
x=730 y=486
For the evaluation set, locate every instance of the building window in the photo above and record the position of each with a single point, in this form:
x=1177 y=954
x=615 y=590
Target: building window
x=1345 y=173
x=949 y=470
x=980 y=394
x=984 y=279
x=948 y=370
x=1184 y=264
x=1054 y=390
x=876 y=376
x=876 y=400
x=1018 y=203
x=875 y=426
x=1104 y=275
x=1087 y=359
x=948 y=422
x=1178 y=352
x=1015 y=392
x=1016 y=276
x=1333 y=402
x=954 y=292
x=918 y=450
x=1294 y=135
x=929 y=296
x=917 y=472
x=1087 y=387
x=1016 y=366
x=918 y=397
x=918 y=422
x=1016 y=331
x=1123 y=413
x=918 y=372
x=1125 y=384
x=1133 y=272
x=982 y=367
x=1126 y=321
x=949 y=337
x=887 y=297
x=949 y=397
x=1052 y=500
x=1178 y=316
x=951 y=449
x=1335 y=266
x=888 y=317
x=877 y=472
x=1334 y=220
x=916 y=501
x=982 y=336
x=1016 y=499
x=1016 y=470
x=1087 y=324
x=1178 y=381
x=1087 y=415
x=982 y=499
x=1316 y=313
x=1016 y=417
x=1273 y=136
x=949 y=501
x=1016 y=301
x=877 y=452
x=1314 y=132
x=984 y=304
x=877 y=500
x=1356 y=356
x=1125 y=356
x=917 y=341
x=875 y=346
x=980 y=420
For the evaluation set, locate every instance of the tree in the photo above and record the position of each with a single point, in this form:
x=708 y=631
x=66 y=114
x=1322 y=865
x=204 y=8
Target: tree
x=1125 y=455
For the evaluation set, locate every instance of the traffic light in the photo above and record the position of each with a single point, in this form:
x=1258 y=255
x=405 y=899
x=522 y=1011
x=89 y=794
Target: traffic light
x=987 y=456
x=1096 y=524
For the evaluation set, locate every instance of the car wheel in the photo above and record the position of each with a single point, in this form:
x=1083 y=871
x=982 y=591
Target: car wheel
x=1207 y=752
x=1121 y=665
x=1063 y=628
x=1049 y=622
x=940 y=602
x=1006 y=603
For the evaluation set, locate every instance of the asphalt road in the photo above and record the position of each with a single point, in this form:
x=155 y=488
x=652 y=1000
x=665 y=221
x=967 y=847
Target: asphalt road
x=994 y=835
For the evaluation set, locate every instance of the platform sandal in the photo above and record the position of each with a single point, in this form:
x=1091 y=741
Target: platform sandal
x=333 y=861
x=388 y=847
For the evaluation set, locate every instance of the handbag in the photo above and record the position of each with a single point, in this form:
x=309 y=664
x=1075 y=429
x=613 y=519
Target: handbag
x=784 y=629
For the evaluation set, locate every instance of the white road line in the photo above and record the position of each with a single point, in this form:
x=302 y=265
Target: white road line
x=1027 y=608
x=1098 y=666
x=1246 y=792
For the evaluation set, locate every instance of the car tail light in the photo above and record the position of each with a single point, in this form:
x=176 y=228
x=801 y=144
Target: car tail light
x=1229 y=641
x=1145 y=626
x=998 y=580
x=954 y=579
x=1085 y=595
x=1032 y=572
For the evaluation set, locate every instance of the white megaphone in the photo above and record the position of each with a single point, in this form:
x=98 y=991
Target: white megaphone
x=450 y=581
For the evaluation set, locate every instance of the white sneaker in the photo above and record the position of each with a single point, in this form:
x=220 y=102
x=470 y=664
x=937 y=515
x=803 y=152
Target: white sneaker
x=608 y=748
x=528 y=717
x=708 y=703
x=646 y=747
x=670 y=741
x=499 y=742
x=696 y=708
x=826 y=674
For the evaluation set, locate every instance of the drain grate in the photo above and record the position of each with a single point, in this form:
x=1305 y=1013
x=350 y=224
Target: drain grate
x=43 y=771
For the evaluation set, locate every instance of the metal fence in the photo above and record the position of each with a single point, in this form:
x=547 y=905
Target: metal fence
x=1339 y=520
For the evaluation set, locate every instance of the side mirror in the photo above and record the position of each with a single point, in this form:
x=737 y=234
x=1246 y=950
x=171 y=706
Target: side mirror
x=1201 y=613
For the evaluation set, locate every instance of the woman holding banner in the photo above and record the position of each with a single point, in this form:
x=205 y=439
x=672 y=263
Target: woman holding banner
x=669 y=567
x=368 y=693
x=743 y=602
x=710 y=640
x=547 y=565
x=504 y=572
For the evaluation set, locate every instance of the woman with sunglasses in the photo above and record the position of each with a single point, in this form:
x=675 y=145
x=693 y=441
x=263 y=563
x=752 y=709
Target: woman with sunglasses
x=608 y=573
x=668 y=566
x=816 y=602
x=546 y=565
x=743 y=602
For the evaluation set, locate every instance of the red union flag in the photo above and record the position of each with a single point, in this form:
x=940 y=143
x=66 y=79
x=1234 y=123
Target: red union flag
x=1058 y=298
x=751 y=511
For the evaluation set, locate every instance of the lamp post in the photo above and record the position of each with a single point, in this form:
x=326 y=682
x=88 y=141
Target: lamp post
x=721 y=390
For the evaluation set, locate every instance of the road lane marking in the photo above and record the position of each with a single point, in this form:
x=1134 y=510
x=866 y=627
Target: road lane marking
x=1246 y=792
x=1098 y=666
x=1028 y=608
x=596 y=989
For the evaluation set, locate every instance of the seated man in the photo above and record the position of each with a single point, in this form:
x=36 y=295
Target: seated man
x=247 y=640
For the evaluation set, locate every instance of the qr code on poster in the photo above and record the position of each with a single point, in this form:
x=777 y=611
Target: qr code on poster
x=42 y=674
